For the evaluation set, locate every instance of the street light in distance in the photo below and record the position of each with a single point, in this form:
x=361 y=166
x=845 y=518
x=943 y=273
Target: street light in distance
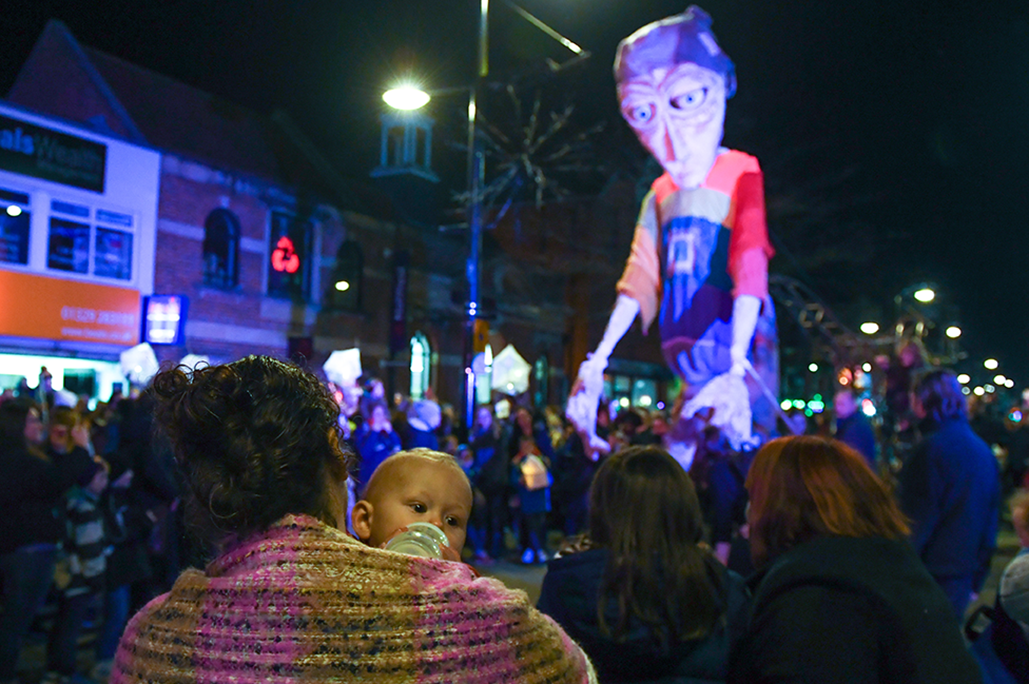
x=925 y=295
x=964 y=378
x=953 y=332
x=991 y=364
x=869 y=327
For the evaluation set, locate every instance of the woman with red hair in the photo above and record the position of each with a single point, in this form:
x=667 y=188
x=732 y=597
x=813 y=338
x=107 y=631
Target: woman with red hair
x=840 y=595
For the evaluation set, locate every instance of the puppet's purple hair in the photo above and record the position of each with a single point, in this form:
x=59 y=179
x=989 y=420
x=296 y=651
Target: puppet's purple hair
x=678 y=39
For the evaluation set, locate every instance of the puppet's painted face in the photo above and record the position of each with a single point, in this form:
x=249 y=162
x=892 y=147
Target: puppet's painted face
x=678 y=113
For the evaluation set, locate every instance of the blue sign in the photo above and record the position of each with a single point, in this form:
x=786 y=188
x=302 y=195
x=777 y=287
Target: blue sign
x=164 y=319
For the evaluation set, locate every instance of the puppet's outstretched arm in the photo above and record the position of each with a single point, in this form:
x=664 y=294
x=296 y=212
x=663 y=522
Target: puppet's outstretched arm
x=582 y=404
x=591 y=372
x=745 y=310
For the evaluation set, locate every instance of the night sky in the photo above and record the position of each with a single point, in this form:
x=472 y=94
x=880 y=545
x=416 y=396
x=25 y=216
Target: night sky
x=895 y=133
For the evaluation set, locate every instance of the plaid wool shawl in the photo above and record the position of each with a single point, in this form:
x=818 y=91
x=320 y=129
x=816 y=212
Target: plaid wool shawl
x=304 y=602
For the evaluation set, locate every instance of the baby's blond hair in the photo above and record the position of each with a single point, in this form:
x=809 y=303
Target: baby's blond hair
x=379 y=477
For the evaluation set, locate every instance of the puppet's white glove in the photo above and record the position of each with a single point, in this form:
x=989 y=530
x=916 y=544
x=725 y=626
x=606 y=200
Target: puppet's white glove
x=589 y=386
x=745 y=310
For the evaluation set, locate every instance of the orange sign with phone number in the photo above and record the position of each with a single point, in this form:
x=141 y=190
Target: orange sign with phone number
x=57 y=309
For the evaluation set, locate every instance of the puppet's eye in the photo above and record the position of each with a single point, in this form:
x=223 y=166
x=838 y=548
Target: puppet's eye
x=640 y=114
x=690 y=100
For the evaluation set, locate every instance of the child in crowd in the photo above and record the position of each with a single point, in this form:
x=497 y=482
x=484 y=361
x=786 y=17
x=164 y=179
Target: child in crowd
x=418 y=485
x=86 y=548
x=530 y=475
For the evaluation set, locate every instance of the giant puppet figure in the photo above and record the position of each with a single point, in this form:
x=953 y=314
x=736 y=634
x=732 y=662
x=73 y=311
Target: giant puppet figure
x=699 y=259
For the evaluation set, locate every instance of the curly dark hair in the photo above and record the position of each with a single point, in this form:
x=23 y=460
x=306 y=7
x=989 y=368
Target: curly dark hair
x=256 y=440
x=644 y=510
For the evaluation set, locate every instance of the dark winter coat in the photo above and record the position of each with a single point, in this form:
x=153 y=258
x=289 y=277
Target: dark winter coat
x=950 y=488
x=850 y=611
x=31 y=499
x=569 y=594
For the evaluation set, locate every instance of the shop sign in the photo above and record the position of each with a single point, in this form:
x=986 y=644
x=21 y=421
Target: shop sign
x=39 y=152
x=164 y=319
x=57 y=309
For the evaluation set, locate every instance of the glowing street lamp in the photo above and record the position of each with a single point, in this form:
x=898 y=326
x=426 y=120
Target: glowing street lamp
x=869 y=327
x=991 y=364
x=1000 y=379
x=925 y=295
x=406 y=97
x=978 y=391
x=964 y=378
x=813 y=367
x=953 y=332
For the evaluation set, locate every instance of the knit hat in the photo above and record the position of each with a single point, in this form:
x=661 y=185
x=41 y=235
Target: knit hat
x=1014 y=588
x=426 y=412
x=678 y=39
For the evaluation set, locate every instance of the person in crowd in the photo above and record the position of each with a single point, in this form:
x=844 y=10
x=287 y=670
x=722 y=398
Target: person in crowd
x=155 y=493
x=257 y=443
x=423 y=417
x=85 y=547
x=491 y=466
x=68 y=444
x=128 y=524
x=950 y=489
x=1003 y=645
x=718 y=473
x=853 y=427
x=417 y=485
x=578 y=461
x=532 y=479
x=376 y=440
x=640 y=592
x=32 y=488
x=478 y=521
x=840 y=595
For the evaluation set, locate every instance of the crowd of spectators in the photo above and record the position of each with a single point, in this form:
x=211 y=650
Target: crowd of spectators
x=95 y=528
x=90 y=529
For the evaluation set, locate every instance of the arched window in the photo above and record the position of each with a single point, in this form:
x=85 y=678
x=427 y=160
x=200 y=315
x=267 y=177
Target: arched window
x=347 y=278
x=221 y=249
x=421 y=365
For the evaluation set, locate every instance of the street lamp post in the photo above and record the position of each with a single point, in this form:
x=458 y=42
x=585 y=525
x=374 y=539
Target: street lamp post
x=476 y=174
x=413 y=98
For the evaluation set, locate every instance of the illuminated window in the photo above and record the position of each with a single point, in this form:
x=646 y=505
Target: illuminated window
x=96 y=243
x=14 y=227
x=221 y=249
x=344 y=287
x=484 y=380
x=421 y=364
x=289 y=251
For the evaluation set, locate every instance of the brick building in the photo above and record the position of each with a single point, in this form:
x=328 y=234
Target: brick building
x=277 y=254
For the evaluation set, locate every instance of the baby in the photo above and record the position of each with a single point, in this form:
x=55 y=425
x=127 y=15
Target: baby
x=418 y=485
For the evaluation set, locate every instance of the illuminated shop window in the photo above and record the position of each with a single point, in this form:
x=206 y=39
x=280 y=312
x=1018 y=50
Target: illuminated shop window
x=68 y=246
x=15 y=219
x=421 y=364
x=221 y=249
x=81 y=241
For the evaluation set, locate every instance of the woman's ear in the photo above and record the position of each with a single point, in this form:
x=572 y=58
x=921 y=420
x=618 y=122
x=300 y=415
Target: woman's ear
x=361 y=518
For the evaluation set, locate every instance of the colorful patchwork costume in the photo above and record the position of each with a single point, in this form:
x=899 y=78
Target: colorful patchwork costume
x=693 y=252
